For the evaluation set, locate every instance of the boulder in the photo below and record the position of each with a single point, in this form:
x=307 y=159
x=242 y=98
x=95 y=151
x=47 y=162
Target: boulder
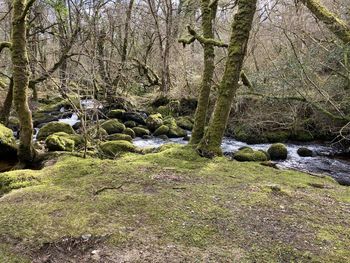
x=247 y=154
x=305 y=152
x=114 y=148
x=78 y=139
x=53 y=127
x=8 y=147
x=41 y=118
x=139 y=131
x=116 y=114
x=278 y=151
x=154 y=121
x=174 y=130
x=276 y=136
x=162 y=130
x=130 y=124
x=134 y=116
x=185 y=123
x=55 y=142
x=129 y=132
x=113 y=126
x=119 y=137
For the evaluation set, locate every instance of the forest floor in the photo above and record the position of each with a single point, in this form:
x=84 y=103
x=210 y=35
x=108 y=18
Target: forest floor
x=171 y=206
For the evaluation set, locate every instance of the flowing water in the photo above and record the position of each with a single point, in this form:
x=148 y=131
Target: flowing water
x=322 y=162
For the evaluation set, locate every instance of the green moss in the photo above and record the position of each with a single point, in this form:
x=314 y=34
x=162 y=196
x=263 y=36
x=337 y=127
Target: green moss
x=276 y=136
x=162 y=130
x=218 y=209
x=278 y=151
x=113 y=126
x=130 y=124
x=53 y=127
x=117 y=114
x=129 y=132
x=8 y=147
x=139 y=131
x=154 y=121
x=119 y=137
x=249 y=155
x=164 y=110
x=302 y=136
x=56 y=142
x=114 y=148
x=185 y=123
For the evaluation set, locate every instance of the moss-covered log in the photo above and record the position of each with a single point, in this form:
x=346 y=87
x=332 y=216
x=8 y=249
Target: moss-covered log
x=241 y=26
x=339 y=27
x=20 y=63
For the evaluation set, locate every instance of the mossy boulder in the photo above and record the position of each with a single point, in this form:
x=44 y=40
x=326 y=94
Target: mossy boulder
x=78 y=139
x=247 y=154
x=40 y=118
x=164 y=110
x=134 y=116
x=305 y=152
x=8 y=148
x=116 y=114
x=139 y=131
x=114 y=148
x=130 y=124
x=53 y=127
x=245 y=134
x=119 y=137
x=113 y=126
x=55 y=142
x=154 y=121
x=129 y=132
x=176 y=132
x=185 y=123
x=278 y=151
x=162 y=130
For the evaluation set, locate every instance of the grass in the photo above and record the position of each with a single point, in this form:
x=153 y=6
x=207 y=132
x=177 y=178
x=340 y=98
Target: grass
x=172 y=206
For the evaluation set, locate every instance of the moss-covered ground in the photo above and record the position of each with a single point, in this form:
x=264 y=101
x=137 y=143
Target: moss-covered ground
x=171 y=206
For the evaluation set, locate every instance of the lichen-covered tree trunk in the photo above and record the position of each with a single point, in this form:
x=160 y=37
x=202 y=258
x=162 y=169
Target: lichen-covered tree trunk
x=339 y=27
x=200 y=119
x=20 y=63
x=241 y=26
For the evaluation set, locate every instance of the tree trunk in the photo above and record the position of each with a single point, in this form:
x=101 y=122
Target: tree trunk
x=6 y=108
x=200 y=120
x=331 y=20
x=241 y=26
x=20 y=63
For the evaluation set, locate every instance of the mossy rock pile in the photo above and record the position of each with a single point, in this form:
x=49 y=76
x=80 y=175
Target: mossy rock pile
x=162 y=130
x=116 y=114
x=113 y=126
x=247 y=154
x=130 y=124
x=154 y=121
x=140 y=131
x=56 y=142
x=185 y=123
x=53 y=127
x=130 y=132
x=8 y=147
x=115 y=148
x=278 y=151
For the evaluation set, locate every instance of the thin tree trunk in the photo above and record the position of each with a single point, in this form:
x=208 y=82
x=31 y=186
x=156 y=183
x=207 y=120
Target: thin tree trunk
x=200 y=120
x=20 y=63
x=6 y=108
x=241 y=26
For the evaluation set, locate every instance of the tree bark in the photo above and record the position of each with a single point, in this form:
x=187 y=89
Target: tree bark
x=21 y=73
x=6 y=108
x=200 y=120
x=241 y=26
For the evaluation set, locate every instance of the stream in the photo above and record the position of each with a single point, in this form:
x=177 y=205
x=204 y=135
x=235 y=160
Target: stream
x=322 y=162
